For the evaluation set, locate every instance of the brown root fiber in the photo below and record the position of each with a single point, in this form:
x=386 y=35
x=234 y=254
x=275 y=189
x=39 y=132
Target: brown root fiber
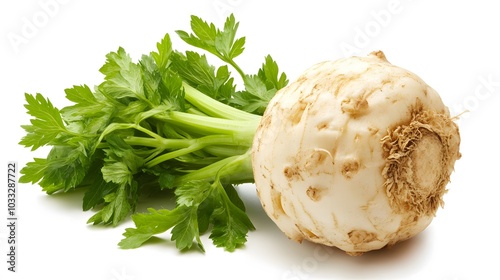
x=420 y=157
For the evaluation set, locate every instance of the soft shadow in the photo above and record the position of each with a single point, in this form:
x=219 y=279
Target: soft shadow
x=160 y=242
x=71 y=200
x=396 y=262
x=396 y=253
x=313 y=261
x=158 y=200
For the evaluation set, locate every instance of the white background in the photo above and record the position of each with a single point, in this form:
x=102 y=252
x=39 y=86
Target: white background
x=48 y=45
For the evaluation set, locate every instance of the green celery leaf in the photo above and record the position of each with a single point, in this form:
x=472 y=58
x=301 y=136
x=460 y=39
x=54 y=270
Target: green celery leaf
x=116 y=172
x=172 y=92
x=33 y=171
x=270 y=75
x=123 y=78
x=47 y=124
x=120 y=165
x=224 y=85
x=90 y=114
x=151 y=78
x=65 y=168
x=162 y=56
x=186 y=230
x=260 y=88
x=162 y=86
x=203 y=37
x=222 y=43
x=129 y=113
x=230 y=223
x=121 y=161
x=97 y=187
x=195 y=69
x=92 y=110
x=120 y=207
x=192 y=193
x=205 y=210
x=204 y=31
x=234 y=197
x=255 y=98
x=116 y=209
x=166 y=180
x=150 y=224
x=225 y=40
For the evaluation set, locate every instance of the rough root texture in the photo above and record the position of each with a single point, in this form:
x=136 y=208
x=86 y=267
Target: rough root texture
x=420 y=158
x=356 y=154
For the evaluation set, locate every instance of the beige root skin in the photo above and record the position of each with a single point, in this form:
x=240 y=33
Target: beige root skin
x=355 y=154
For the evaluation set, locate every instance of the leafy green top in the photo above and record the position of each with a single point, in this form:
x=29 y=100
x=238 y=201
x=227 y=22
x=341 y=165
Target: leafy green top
x=170 y=123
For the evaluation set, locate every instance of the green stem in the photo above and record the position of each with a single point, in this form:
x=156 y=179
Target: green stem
x=196 y=144
x=232 y=63
x=238 y=69
x=225 y=151
x=177 y=153
x=231 y=170
x=213 y=107
x=166 y=144
x=242 y=131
